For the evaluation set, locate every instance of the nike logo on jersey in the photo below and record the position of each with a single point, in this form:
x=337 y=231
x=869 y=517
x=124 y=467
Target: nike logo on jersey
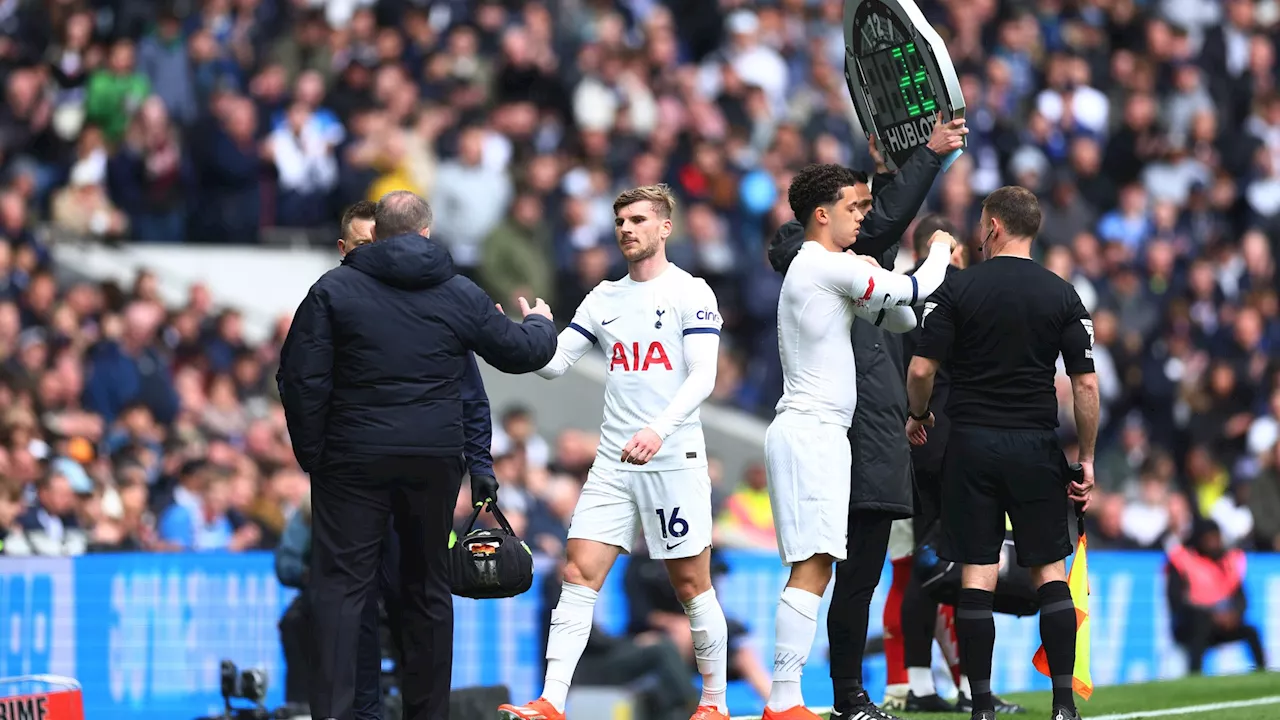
x=606 y=322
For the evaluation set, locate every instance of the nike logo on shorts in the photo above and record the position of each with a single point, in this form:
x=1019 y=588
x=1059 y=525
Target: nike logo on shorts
x=673 y=547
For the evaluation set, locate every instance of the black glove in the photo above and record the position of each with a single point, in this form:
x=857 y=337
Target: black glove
x=484 y=488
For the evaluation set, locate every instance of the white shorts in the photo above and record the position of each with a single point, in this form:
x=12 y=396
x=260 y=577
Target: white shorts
x=902 y=541
x=808 y=465
x=673 y=508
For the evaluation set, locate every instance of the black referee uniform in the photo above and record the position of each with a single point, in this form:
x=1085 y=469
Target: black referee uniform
x=1000 y=327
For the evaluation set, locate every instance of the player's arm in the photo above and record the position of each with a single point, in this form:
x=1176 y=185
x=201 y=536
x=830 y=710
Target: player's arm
x=897 y=319
x=573 y=343
x=1077 y=359
x=937 y=332
x=874 y=288
x=700 y=320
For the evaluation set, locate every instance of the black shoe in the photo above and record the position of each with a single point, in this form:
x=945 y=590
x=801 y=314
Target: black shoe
x=928 y=704
x=983 y=715
x=859 y=707
x=1062 y=713
x=1004 y=707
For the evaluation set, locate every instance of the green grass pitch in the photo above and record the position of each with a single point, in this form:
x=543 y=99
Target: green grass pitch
x=1242 y=697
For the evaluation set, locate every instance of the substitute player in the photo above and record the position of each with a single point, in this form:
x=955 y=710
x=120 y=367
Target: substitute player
x=1000 y=327
x=659 y=328
x=806 y=446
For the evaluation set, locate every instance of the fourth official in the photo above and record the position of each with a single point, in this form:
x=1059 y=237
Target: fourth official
x=1000 y=327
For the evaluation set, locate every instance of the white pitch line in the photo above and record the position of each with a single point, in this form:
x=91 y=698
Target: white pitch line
x=1192 y=709
x=1143 y=715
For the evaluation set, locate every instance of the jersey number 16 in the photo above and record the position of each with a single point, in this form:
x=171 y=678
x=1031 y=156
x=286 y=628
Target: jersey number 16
x=675 y=527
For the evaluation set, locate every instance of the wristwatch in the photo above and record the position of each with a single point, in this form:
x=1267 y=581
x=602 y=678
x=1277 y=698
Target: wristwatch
x=918 y=418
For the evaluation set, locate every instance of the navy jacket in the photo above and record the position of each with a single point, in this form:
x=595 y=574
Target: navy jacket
x=378 y=355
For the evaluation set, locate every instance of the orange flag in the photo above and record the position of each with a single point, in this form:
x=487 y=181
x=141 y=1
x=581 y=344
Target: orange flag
x=1078 y=581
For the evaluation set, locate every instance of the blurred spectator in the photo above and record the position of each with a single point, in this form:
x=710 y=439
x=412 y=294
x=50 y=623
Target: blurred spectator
x=307 y=169
x=51 y=525
x=151 y=175
x=115 y=92
x=747 y=518
x=470 y=199
x=1264 y=503
x=516 y=256
x=1206 y=597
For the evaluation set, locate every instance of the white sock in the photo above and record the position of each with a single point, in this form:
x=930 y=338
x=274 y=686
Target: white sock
x=796 y=625
x=570 y=628
x=964 y=687
x=710 y=647
x=921 y=681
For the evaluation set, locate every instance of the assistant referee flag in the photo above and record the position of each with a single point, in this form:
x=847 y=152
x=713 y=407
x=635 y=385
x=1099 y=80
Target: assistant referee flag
x=1078 y=581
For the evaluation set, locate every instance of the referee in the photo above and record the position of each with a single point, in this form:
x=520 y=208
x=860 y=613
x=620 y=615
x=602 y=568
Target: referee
x=1000 y=327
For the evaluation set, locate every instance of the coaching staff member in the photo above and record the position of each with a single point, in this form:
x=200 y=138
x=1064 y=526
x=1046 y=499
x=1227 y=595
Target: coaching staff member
x=1000 y=326
x=881 y=474
x=371 y=373
x=357 y=231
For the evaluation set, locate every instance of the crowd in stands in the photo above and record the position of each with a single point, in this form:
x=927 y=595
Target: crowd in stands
x=1150 y=129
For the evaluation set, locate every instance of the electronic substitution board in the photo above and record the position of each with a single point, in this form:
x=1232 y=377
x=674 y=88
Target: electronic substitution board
x=899 y=74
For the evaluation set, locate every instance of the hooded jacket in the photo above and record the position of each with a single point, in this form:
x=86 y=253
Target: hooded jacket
x=378 y=352
x=881 y=473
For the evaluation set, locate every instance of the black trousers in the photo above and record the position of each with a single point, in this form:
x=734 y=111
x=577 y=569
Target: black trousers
x=352 y=500
x=919 y=610
x=856 y=580
x=1197 y=632
x=368 y=699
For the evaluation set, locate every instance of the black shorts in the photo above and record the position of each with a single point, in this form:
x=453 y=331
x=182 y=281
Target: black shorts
x=988 y=472
x=928 y=497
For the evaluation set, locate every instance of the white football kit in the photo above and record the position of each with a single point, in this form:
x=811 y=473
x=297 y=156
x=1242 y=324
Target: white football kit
x=661 y=340
x=807 y=446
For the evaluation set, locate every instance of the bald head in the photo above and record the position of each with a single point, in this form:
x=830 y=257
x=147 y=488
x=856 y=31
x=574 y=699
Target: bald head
x=401 y=212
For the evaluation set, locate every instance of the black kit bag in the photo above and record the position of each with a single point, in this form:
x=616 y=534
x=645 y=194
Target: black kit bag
x=490 y=564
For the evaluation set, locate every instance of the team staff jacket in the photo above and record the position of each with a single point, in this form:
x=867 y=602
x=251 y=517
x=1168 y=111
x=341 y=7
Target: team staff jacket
x=881 y=477
x=379 y=352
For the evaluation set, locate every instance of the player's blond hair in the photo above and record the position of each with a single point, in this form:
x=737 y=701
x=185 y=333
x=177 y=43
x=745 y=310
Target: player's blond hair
x=659 y=196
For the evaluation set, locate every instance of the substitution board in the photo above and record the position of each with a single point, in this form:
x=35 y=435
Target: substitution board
x=899 y=74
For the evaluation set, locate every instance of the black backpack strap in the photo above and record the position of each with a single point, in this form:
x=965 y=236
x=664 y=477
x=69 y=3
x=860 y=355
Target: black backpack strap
x=502 y=519
x=471 y=524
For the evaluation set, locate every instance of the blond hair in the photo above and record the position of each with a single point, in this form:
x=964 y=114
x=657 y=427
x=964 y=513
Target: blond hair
x=659 y=196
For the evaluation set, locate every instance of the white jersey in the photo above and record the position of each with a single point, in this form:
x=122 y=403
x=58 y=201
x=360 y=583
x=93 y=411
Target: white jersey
x=661 y=339
x=821 y=295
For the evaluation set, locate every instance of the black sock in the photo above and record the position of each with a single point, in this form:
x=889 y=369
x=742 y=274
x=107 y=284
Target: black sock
x=1058 y=634
x=976 y=631
x=846 y=688
x=919 y=616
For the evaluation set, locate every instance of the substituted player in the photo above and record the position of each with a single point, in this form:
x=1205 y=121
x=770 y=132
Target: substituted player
x=660 y=329
x=1000 y=327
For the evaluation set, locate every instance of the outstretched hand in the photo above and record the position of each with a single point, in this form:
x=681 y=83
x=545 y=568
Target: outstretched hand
x=540 y=307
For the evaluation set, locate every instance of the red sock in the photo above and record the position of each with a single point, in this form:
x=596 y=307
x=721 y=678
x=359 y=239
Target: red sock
x=896 y=665
x=946 y=637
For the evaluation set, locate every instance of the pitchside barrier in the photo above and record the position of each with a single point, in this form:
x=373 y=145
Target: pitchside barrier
x=143 y=634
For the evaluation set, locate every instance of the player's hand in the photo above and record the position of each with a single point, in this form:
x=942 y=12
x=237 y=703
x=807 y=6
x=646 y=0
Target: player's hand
x=484 y=489
x=642 y=447
x=881 y=167
x=942 y=236
x=916 y=429
x=540 y=307
x=1082 y=490
x=947 y=137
